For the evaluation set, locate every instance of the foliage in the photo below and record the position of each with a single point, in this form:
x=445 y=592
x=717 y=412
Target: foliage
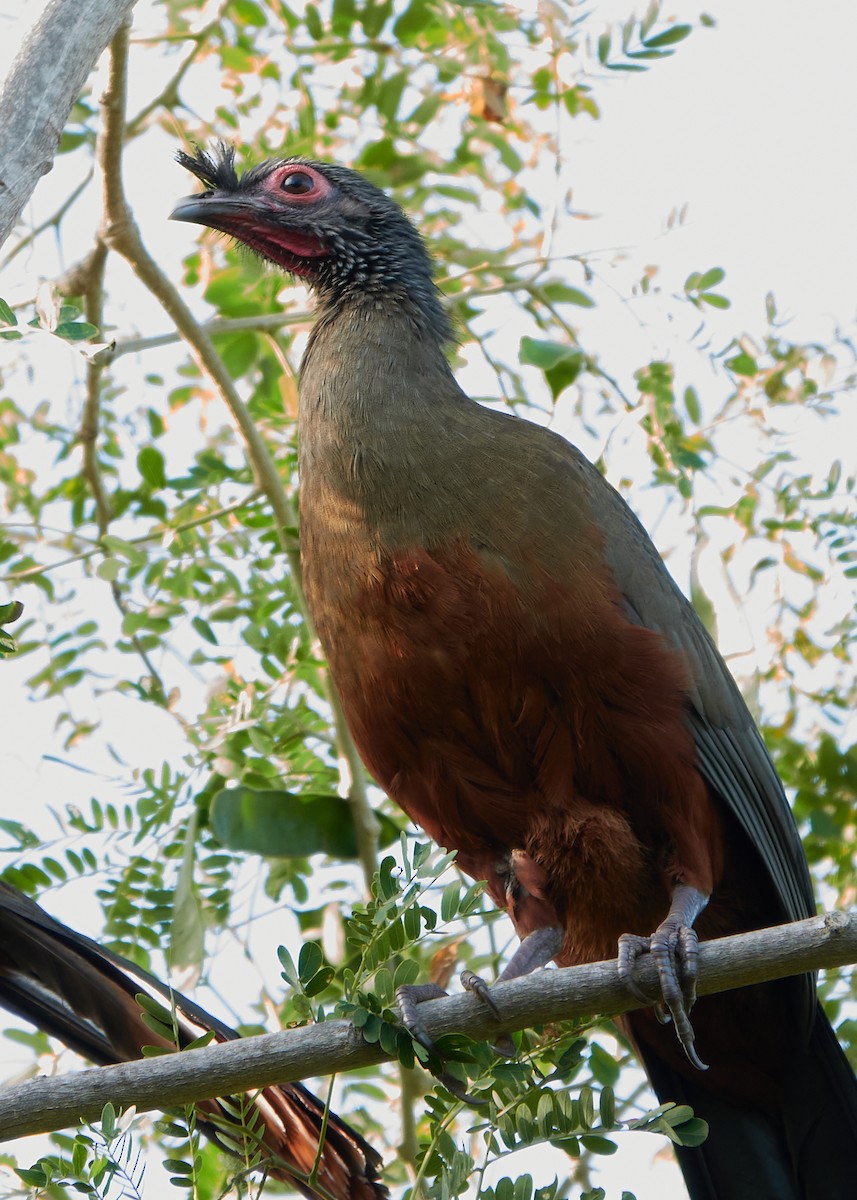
x=100 y=1161
x=157 y=583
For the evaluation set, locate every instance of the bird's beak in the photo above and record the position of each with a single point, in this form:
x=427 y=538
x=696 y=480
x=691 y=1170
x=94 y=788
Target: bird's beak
x=204 y=210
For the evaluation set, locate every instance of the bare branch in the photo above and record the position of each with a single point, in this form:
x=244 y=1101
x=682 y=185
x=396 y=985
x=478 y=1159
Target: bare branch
x=262 y=322
x=45 y=80
x=574 y=993
x=168 y=97
x=71 y=277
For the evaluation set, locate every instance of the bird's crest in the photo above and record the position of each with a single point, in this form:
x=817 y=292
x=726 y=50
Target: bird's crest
x=215 y=170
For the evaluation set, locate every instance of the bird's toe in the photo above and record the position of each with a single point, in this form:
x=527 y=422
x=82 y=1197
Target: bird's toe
x=408 y=999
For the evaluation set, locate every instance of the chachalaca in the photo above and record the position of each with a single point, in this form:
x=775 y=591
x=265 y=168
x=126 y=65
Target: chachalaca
x=77 y=991
x=521 y=674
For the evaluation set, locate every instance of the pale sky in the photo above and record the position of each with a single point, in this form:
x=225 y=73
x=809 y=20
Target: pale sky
x=753 y=126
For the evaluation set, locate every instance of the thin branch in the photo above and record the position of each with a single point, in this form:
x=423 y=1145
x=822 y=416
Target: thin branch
x=88 y=435
x=143 y=539
x=168 y=97
x=51 y=221
x=108 y=153
x=260 y=323
x=575 y=993
x=123 y=236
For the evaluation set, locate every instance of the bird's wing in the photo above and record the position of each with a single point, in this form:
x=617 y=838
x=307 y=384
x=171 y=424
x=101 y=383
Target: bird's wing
x=732 y=756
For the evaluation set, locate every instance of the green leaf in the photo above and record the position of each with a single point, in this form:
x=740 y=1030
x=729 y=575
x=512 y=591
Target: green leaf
x=714 y=300
x=586 y=1104
x=9 y=613
x=690 y=1133
x=284 y=824
x=710 y=279
x=24 y=837
x=563 y=374
x=342 y=17
x=537 y=353
x=607 y=1107
x=390 y=94
x=187 y=931
x=676 y=33
x=249 y=13
x=691 y=404
x=33 y=1177
x=124 y=549
x=108 y=569
x=204 y=630
x=374 y=16
x=310 y=960
x=289 y=970
x=75 y=331
x=449 y=900
x=7 y=316
x=108 y=1120
x=150 y=464
x=313 y=23
x=413 y=21
x=562 y=293
x=742 y=364
x=597 y=1144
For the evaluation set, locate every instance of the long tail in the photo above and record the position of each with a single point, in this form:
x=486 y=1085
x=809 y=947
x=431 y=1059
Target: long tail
x=801 y=1147
x=73 y=989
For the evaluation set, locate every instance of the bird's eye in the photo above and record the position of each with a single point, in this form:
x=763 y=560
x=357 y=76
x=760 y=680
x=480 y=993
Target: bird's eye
x=297 y=183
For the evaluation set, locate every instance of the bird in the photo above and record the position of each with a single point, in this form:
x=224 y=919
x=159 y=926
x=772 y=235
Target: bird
x=523 y=677
x=77 y=991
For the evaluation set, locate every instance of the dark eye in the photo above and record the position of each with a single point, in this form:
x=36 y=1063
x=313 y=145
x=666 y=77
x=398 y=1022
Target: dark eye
x=297 y=183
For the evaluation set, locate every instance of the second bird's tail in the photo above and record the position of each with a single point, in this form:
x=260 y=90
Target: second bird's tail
x=73 y=989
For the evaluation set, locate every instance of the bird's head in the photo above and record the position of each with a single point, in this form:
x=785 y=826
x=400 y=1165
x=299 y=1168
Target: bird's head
x=327 y=224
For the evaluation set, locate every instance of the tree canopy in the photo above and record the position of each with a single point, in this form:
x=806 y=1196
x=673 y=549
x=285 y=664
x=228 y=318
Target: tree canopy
x=203 y=783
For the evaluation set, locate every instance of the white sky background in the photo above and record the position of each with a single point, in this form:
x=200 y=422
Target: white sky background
x=753 y=126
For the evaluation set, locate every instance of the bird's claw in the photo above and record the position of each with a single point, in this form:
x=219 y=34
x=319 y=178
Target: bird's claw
x=503 y=1046
x=674 y=947
x=408 y=998
x=471 y=982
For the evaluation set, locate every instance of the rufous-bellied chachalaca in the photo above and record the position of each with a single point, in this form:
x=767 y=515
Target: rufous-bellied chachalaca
x=523 y=677
x=75 y=990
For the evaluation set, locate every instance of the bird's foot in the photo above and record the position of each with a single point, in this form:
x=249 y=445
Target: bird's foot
x=408 y=999
x=410 y=996
x=674 y=948
x=537 y=949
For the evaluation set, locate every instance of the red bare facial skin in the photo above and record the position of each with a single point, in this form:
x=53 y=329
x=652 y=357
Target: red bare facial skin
x=262 y=219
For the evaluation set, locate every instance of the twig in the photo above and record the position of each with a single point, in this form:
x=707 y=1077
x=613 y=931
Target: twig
x=94 y=305
x=111 y=140
x=168 y=97
x=574 y=993
x=123 y=236
x=54 y=219
x=262 y=322
x=142 y=539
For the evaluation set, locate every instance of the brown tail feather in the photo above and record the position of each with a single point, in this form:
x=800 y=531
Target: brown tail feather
x=73 y=989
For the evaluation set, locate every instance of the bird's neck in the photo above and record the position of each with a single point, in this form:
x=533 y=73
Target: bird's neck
x=375 y=366
x=378 y=407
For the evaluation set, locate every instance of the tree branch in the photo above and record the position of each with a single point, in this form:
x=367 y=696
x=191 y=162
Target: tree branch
x=46 y=1104
x=259 y=323
x=122 y=235
x=46 y=78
